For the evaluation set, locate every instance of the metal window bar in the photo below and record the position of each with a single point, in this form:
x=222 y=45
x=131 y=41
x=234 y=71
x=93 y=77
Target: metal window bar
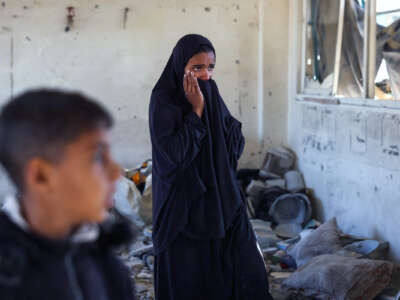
x=365 y=71
x=387 y=12
x=339 y=42
x=372 y=50
x=303 y=46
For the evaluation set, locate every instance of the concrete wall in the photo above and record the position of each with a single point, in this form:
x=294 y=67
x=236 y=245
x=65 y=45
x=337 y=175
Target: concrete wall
x=120 y=64
x=349 y=155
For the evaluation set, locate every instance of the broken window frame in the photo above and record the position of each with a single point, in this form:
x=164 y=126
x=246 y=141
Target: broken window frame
x=369 y=53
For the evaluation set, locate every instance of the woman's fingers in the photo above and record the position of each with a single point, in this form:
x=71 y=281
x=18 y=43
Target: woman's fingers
x=196 y=86
x=191 y=83
x=185 y=82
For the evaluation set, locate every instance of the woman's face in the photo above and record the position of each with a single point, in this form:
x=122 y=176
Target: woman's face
x=202 y=65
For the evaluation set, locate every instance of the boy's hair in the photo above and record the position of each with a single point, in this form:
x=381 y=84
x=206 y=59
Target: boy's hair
x=40 y=123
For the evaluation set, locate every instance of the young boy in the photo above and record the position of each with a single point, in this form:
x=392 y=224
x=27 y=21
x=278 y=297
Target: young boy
x=55 y=148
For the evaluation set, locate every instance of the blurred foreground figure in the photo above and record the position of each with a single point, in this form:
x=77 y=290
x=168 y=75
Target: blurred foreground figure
x=55 y=148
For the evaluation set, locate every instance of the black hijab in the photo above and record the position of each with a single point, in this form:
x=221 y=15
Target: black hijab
x=194 y=160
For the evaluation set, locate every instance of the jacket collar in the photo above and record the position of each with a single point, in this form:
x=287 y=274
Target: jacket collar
x=84 y=234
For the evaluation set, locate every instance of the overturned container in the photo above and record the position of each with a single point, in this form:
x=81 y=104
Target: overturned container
x=277 y=162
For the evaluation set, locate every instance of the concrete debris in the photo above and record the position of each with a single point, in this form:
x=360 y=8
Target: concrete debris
x=319 y=252
x=139 y=259
x=337 y=277
x=277 y=193
x=142 y=250
x=278 y=161
x=291 y=242
x=265 y=235
x=275 y=182
x=369 y=249
x=324 y=240
x=255 y=188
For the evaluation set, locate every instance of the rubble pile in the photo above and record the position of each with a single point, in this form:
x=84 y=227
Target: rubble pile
x=304 y=258
x=133 y=199
x=140 y=261
x=277 y=194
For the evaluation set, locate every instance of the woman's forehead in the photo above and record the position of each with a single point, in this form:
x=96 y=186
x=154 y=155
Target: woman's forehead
x=203 y=58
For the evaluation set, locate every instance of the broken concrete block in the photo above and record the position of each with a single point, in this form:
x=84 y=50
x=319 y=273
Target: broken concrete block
x=369 y=249
x=324 y=240
x=275 y=182
x=255 y=188
x=339 y=277
x=142 y=250
x=264 y=234
x=278 y=161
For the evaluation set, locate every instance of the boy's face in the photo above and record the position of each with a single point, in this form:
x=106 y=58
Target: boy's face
x=83 y=182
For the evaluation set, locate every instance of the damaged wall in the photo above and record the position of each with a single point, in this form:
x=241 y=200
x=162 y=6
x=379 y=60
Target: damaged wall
x=118 y=59
x=350 y=156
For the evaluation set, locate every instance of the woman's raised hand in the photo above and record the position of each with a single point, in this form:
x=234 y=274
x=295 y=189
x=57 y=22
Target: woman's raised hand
x=193 y=93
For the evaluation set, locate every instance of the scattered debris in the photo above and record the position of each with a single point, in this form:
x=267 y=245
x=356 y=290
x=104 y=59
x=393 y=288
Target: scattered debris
x=277 y=162
x=300 y=253
x=139 y=259
x=338 y=277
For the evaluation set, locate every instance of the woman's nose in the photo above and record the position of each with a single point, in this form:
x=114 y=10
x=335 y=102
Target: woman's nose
x=205 y=74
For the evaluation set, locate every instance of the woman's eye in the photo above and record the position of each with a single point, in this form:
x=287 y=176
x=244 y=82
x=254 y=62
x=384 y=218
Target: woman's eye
x=196 y=69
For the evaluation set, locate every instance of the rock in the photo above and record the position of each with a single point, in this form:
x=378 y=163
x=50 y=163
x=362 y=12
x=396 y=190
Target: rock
x=275 y=182
x=142 y=250
x=255 y=188
x=264 y=234
x=144 y=275
x=340 y=277
x=127 y=198
x=135 y=264
x=278 y=161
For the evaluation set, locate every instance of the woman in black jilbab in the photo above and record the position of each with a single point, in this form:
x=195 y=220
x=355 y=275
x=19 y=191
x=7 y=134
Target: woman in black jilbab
x=204 y=245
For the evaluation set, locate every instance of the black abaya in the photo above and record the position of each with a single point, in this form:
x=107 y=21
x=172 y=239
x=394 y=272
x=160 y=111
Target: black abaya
x=202 y=238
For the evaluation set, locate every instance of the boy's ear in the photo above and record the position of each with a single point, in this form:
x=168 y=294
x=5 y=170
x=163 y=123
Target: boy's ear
x=39 y=175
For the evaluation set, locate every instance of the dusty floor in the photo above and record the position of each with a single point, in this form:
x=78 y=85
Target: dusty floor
x=141 y=273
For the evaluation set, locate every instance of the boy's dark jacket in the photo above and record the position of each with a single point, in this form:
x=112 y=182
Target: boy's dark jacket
x=34 y=268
